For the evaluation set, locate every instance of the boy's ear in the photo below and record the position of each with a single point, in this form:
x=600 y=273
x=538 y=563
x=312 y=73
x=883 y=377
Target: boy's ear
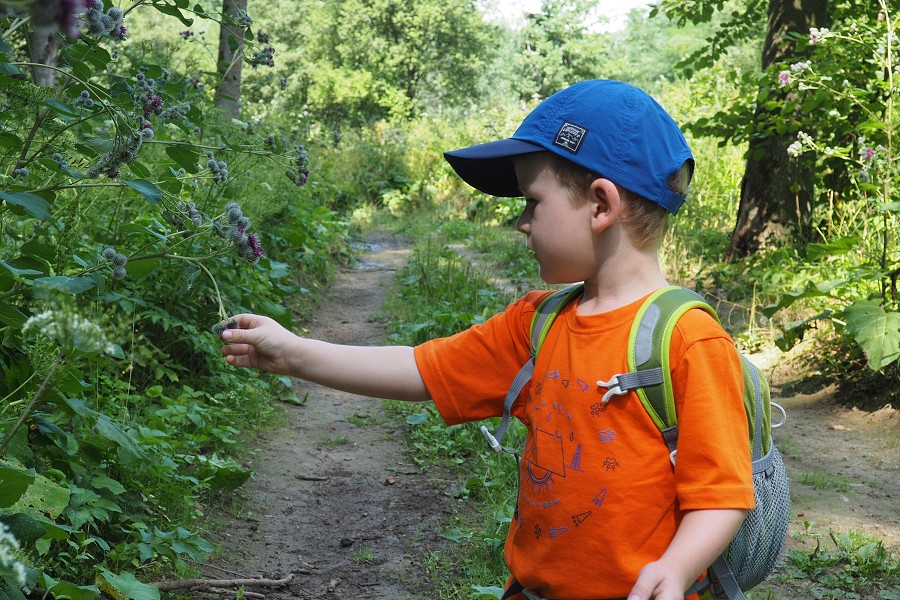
x=606 y=202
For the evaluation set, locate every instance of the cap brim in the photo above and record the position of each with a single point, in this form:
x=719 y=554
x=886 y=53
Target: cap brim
x=489 y=167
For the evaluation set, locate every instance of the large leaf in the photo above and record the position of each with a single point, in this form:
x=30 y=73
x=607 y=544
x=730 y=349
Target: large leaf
x=13 y=483
x=71 y=591
x=107 y=428
x=33 y=203
x=18 y=273
x=9 y=141
x=146 y=189
x=69 y=285
x=812 y=290
x=10 y=315
x=173 y=12
x=185 y=157
x=125 y=586
x=25 y=528
x=876 y=331
x=841 y=246
x=43 y=497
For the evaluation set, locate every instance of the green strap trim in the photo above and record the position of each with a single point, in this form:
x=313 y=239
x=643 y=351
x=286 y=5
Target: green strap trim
x=547 y=311
x=649 y=342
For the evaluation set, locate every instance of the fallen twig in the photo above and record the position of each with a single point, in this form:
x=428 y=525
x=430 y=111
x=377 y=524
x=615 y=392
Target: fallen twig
x=184 y=584
x=245 y=594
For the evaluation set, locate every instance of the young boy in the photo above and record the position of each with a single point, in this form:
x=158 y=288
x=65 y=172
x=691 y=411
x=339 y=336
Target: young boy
x=601 y=511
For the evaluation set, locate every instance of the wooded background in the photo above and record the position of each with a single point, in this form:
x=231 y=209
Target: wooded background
x=167 y=163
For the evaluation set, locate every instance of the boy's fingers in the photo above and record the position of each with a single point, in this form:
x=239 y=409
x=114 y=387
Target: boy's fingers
x=247 y=321
x=238 y=361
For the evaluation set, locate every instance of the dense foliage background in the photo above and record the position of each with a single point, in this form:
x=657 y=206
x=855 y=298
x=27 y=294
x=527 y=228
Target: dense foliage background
x=142 y=200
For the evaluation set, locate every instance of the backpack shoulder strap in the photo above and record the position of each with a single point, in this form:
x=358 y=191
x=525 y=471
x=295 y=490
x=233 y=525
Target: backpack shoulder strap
x=541 y=321
x=547 y=311
x=649 y=342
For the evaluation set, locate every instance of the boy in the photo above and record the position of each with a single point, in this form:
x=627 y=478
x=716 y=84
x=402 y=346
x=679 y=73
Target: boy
x=601 y=511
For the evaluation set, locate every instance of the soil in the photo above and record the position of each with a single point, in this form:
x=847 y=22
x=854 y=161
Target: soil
x=336 y=501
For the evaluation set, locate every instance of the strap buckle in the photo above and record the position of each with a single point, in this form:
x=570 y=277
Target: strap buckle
x=491 y=440
x=613 y=388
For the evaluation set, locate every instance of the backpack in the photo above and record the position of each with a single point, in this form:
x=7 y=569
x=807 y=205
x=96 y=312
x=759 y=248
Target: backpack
x=754 y=550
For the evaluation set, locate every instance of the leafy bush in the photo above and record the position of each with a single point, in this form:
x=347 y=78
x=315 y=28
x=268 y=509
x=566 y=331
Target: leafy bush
x=133 y=216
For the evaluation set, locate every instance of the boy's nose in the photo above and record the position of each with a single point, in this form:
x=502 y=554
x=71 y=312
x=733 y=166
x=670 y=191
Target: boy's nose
x=523 y=223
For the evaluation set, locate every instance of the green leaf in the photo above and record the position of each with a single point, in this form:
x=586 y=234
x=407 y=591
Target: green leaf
x=61 y=109
x=114 y=432
x=812 y=290
x=33 y=203
x=69 y=285
x=224 y=474
x=9 y=141
x=841 y=246
x=44 y=497
x=10 y=315
x=24 y=527
x=65 y=589
x=8 y=69
x=173 y=11
x=876 y=331
x=491 y=590
x=146 y=189
x=139 y=169
x=13 y=483
x=141 y=268
x=125 y=586
x=17 y=272
x=185 y=157
x=417 y=419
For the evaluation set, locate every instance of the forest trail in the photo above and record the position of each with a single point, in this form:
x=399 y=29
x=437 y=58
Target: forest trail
x=336 y=501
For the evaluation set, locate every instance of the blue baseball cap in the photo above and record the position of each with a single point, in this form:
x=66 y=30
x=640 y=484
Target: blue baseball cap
x=610 y=128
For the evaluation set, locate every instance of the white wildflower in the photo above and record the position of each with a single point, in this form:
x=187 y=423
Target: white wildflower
x=70 y=331
x=10 y=565
x=816 y=34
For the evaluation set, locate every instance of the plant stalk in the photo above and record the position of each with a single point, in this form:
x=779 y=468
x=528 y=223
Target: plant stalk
x=25 y=413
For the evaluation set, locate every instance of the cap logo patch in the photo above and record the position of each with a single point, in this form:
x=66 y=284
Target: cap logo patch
x=569 y=137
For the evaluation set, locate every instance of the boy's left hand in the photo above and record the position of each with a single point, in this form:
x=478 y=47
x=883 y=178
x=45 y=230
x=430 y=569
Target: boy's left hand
x=659 y=581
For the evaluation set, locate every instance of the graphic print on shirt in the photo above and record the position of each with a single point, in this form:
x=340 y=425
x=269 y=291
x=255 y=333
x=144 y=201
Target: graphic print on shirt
x=544 y=458
x=562 y=410
x=580 y=518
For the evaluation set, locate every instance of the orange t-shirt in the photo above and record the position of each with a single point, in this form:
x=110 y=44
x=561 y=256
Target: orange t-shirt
x=598 y=497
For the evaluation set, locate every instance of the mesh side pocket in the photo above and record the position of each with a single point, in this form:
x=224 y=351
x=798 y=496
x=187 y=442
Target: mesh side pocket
x=756 y=547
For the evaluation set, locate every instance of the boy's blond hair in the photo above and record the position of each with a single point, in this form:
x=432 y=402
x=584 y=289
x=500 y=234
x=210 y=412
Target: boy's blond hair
x=645 y=222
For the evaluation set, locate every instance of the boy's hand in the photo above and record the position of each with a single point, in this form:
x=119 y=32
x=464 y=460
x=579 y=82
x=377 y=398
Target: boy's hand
x=260 y=343
x=659 y=581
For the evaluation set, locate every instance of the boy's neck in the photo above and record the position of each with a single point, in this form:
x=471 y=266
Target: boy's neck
x=621 y=281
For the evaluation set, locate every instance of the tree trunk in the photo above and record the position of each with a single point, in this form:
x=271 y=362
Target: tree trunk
x=231 y=43
x=776 y=192
x=44 y=48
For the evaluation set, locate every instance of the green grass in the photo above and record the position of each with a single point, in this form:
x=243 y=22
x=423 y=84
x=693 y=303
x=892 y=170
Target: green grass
x=821 y=481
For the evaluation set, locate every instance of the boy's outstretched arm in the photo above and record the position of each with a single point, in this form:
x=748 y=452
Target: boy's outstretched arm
x=700 y=539
x=379 y=371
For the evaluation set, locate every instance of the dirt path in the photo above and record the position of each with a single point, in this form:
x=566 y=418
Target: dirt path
x=335 y=501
